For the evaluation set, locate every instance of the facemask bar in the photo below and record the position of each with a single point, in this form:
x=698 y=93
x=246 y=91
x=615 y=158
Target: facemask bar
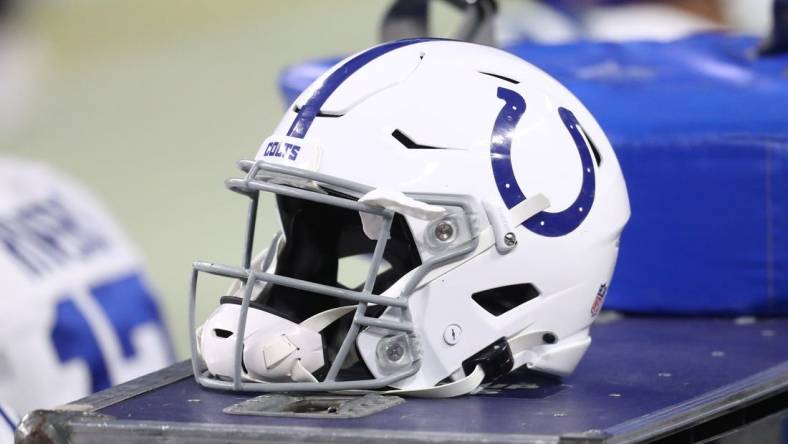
x=260 y=177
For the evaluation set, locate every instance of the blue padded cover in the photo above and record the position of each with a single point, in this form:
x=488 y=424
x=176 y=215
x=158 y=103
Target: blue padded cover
x=700 y=127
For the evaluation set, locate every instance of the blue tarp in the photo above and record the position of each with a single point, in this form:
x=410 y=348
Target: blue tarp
x=700 y=127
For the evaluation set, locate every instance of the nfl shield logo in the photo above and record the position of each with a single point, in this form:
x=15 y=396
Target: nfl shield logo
x=600 y=298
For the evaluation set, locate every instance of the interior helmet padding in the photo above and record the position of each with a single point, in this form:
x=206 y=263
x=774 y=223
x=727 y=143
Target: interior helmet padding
x=318 y=235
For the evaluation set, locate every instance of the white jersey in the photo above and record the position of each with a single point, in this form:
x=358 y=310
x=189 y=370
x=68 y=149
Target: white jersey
x=77 y=313
x=8 y=422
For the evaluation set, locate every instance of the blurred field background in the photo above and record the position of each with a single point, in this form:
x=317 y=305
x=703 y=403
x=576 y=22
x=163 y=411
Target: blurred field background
x=150 y=103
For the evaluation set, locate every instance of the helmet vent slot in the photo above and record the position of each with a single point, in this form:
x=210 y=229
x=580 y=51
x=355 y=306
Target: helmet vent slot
x=408 y=143
x=592 y=146
x=221 y=333
x=297 y=109
x=498 y=76
x=500 y=300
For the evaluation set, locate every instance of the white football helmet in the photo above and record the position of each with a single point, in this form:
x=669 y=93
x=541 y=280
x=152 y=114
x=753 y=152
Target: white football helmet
x=484 y=196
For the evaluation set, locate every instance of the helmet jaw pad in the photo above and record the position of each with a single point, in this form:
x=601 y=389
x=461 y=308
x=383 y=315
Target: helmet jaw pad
x=275 y=349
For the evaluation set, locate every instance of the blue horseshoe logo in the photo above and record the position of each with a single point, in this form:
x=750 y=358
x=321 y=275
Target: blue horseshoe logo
x=543 y=223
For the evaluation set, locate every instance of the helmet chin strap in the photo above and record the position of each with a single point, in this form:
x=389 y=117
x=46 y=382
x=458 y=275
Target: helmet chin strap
x=459 y=387
x=280 y=348
x=323 y=319
x=469 y=384
x=499 y=225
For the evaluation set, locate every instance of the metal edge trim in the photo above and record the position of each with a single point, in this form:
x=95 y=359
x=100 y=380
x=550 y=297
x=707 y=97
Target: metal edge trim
x=205 y=433
x=130 y=389
x=704 y=407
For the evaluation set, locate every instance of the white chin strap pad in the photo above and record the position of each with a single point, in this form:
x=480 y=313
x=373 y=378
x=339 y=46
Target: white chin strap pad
x=272 y=345
x=273 y=356
x=275 y=349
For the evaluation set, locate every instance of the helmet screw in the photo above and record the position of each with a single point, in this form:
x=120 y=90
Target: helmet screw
x=444 y=231
x=452 y=334
x=395 y=352
x=510 y=239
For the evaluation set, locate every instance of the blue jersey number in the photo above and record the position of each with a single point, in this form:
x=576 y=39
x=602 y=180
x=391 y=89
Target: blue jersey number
x=126 y=303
